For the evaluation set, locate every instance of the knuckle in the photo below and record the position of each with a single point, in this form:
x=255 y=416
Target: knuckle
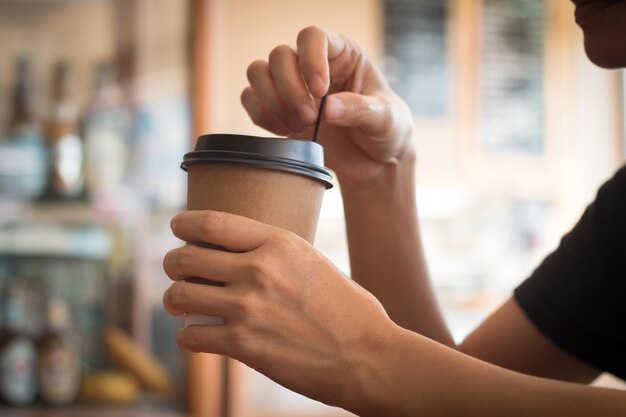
x=211 y=221
x=262 y=271
x=246 y=96
x=265 y=275
x=363 y=108
x=241 y=341
x=255 y=68
x=308 y=32
x=286 y=241
x=244 y=306
x=278 y=53
x=256 y=266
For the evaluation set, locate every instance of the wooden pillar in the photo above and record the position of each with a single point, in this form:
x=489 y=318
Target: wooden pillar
x=206 y=373
x=464 y=24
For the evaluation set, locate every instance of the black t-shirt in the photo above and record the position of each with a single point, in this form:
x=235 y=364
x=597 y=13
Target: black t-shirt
x=577 y=295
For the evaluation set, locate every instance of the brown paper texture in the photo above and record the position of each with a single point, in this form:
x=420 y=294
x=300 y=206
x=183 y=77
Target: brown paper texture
x=282 y=199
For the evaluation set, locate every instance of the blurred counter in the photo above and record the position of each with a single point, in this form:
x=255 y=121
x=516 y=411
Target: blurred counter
x=91 y=411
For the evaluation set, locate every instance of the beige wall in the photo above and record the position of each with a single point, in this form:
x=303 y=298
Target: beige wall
x=251 y=28
x=595 y=137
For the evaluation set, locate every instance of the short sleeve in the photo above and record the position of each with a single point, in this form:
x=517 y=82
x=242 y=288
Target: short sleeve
x=577 y=295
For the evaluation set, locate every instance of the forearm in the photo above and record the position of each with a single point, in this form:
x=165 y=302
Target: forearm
x=409 y=375
x=386 y=254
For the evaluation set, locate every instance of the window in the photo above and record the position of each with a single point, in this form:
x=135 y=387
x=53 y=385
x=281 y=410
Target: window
x=416 y=61
x=511 y=79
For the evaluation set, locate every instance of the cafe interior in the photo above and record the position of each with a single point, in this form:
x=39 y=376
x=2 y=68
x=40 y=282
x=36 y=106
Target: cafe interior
x=515 y=130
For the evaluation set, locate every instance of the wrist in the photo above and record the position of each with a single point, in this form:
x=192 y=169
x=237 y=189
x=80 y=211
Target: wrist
x=406 y=374
x=390 y=196
x=395 y=176
x=368 y=388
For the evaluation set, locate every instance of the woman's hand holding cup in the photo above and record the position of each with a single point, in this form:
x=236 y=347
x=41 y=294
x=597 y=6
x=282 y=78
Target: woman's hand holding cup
x=288 y=312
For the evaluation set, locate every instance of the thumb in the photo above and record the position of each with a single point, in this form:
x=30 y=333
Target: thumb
x=373 y=115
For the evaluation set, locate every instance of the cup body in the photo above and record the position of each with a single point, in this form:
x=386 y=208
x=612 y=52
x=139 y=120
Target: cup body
x=280 y=182
x=285 y=200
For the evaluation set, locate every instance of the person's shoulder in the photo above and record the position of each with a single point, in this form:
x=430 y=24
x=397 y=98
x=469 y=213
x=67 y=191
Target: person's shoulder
x=606 y=213
x=616 y=186
x=620 y=175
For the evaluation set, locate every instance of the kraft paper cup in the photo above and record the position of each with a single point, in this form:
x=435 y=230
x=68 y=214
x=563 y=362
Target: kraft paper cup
x=276 y=181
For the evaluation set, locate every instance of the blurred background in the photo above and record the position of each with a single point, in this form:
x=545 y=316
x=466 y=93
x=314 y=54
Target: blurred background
x=100 y=99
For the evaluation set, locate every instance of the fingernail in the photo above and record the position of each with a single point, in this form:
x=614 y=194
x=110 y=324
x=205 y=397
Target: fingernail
x=317 y=86
x=335 y=109
x=295 y=124
x=307 y=114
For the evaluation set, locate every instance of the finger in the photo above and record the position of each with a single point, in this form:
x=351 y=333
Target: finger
x=174 y=312
x=373 y=115
x=233 y=233
x=283 y=64
x=209 y=339
x=186 y=297
x=259 y=115
x=313 y=58
x=316 y=48
x=263 y=83
x=193 y=261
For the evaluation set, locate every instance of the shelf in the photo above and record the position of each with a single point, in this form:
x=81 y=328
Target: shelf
x=61 y=212
x=54 y=239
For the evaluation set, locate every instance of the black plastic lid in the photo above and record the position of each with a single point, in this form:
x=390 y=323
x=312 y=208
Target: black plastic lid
x=289 y=155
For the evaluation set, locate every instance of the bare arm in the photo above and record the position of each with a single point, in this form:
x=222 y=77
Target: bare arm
x=420 y=377
x=508 y=339
x=386 y=254
x=290 y=314
x=387 y=259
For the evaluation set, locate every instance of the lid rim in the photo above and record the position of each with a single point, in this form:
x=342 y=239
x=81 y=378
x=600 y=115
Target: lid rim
x=323 y=177
x=206 y=155
x=289 y=155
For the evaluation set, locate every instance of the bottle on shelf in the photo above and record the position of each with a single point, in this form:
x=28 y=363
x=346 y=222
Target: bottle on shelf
x=18 y=353
x=65 y=148
x=59 y=357
x=106 y=127
x=23 y=159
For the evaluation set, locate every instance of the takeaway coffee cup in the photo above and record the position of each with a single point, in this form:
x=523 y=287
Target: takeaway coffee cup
x=273 y=180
